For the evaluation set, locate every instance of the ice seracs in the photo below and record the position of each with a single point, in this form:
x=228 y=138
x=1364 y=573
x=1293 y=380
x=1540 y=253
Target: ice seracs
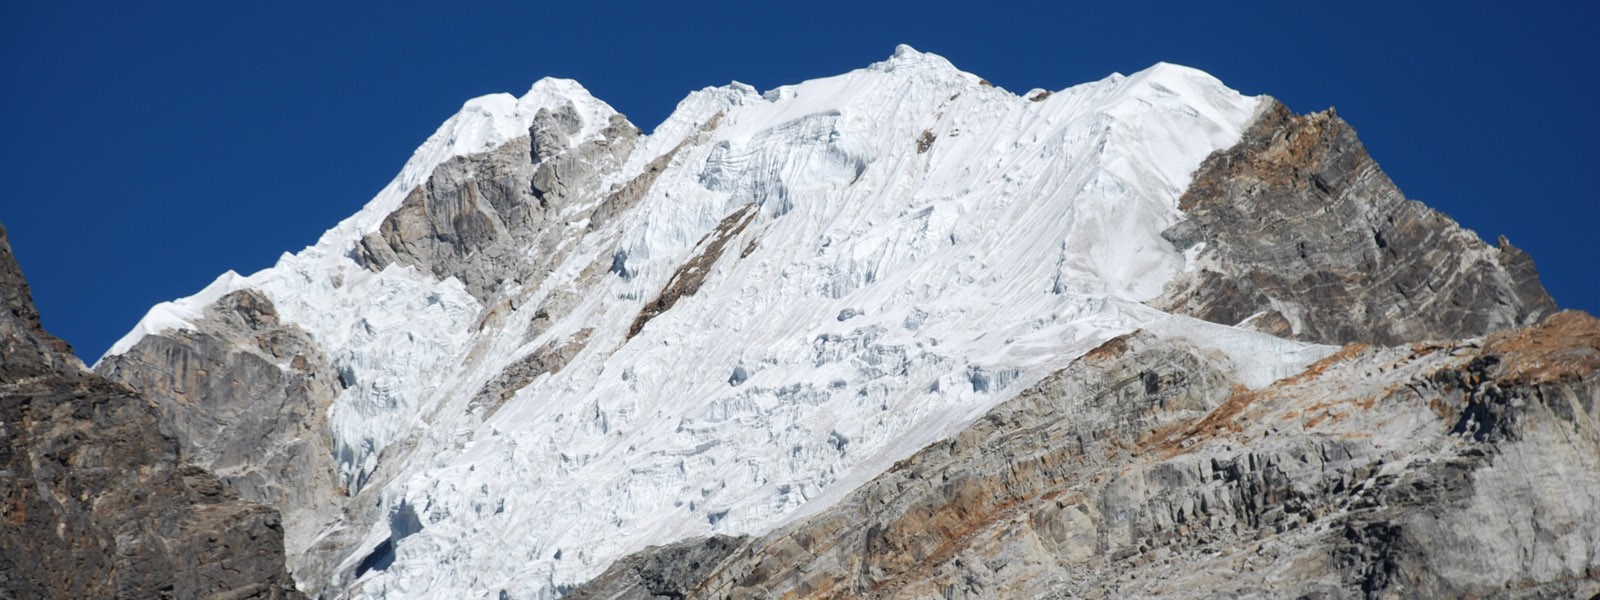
x=976 y=239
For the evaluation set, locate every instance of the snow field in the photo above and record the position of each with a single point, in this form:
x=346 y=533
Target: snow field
x=925 y=246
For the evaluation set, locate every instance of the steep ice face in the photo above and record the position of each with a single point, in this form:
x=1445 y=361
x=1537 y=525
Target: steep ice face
x=880 y=257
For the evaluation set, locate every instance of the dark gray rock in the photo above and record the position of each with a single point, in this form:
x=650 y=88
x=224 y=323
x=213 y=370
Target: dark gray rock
x=670 y=571
x=94 y=500
x=29 y=351
x=1306 y=238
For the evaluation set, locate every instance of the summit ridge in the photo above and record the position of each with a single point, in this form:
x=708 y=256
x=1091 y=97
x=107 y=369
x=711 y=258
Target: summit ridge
x=554 y=341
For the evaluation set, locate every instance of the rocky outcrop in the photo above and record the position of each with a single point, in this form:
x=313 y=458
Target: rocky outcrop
x=95 y=501
x=489 y=218
x=686 y=280
x=549 y=358
x=670 y=571
x=1299 y=234
x=247 y=398
x=1450 y=470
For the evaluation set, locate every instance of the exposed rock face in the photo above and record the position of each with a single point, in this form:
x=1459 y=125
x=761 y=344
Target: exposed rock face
x=486 y=218
x=94 y=500
x=549 y=358
x=247 y=397
x=1306 y=238
x=665 y=572
x=1445 y=470
x=686 y=280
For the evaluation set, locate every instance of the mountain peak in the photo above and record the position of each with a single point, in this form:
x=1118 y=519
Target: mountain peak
x=594 y=291
x=908 y=59
x=1169 y=74
x=553 y=341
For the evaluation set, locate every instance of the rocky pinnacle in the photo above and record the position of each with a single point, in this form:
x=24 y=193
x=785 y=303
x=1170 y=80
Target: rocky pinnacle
x=1298 y=233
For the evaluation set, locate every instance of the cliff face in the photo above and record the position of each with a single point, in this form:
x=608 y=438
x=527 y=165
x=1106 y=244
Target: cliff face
x=94 y=500
x=1298 y=233
x=1143 y=469
x=247 y=398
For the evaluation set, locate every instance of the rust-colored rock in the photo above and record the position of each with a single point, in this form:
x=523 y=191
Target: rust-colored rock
x=1143 y=469
x=1305 y=237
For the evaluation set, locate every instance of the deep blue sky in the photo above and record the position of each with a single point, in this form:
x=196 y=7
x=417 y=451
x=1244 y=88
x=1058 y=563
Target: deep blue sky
x=145 y=149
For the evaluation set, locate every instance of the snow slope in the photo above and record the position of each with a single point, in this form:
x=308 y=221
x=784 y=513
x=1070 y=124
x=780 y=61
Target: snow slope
x=918 y=246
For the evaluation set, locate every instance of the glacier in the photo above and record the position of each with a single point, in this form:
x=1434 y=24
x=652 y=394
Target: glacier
x=878 y=258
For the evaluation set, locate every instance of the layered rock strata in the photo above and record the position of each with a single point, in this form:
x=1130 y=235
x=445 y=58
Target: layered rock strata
x=1296 y=232
x=1459 y=469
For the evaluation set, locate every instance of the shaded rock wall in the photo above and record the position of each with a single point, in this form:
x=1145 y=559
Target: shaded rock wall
x=247 y=398
x=670 y=571
x=95 y=501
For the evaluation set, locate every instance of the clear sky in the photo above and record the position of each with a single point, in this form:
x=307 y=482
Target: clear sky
x=146 y=149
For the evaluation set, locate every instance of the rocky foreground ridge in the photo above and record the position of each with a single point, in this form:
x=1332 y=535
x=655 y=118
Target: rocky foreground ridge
x=896 y=333
x=95 y=502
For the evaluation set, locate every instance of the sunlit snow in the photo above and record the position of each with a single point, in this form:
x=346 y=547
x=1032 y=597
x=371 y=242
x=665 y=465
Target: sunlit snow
x=927 y=246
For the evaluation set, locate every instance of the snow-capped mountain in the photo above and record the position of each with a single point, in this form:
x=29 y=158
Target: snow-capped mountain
x=554 y=341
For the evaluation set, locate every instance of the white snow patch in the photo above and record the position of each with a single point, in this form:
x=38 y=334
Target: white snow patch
x=179 y=314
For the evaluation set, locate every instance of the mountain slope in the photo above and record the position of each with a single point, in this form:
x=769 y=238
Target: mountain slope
x=94 y=500
x=554 y=341
x=1143 y=469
